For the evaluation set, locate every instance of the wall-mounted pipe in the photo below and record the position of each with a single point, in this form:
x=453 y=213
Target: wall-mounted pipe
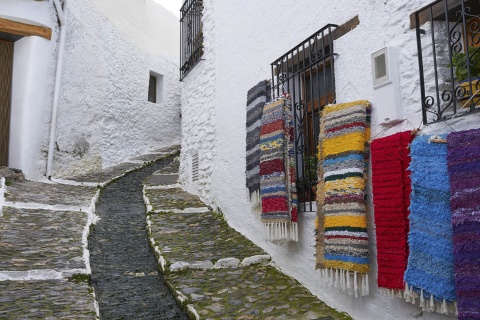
x=58 y=78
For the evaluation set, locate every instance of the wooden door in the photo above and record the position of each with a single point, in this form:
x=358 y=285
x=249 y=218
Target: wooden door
x=6 y=64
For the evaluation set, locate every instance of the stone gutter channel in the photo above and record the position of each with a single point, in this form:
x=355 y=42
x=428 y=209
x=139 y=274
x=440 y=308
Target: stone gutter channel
x=212 y=270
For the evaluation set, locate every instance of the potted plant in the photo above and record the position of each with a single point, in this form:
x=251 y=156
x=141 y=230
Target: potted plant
x=310 y=177
x=461 y=66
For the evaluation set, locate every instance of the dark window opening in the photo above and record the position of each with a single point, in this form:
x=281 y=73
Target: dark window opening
x=448 y=44
x=191 y=36
x=152 y=89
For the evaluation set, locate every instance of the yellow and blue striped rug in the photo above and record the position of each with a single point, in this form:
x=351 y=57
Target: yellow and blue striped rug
x=342 y=240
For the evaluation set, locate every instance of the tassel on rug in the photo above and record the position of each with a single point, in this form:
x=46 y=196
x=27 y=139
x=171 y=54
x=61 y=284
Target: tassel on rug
x=342 y=240
x=277 y=172
x=256 y=99
x=464 y=169
x=391 y=188
x=430 y=274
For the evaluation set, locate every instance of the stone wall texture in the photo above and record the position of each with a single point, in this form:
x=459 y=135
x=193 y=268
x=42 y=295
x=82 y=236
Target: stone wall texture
x=242 y=38
x=104 y=116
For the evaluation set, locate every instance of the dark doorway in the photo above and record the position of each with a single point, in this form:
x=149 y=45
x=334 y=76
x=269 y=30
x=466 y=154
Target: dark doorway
x=6 y=65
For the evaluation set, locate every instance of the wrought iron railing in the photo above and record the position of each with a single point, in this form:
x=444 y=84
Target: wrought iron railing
x=191 y=36
x=448 y=44
x=306 y=73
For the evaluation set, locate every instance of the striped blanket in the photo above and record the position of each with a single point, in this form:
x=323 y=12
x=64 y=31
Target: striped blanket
x=464 y=169
x=391 y=199
x=430 y=275
x=342 y=241
x=256 y=99
x=277 y=172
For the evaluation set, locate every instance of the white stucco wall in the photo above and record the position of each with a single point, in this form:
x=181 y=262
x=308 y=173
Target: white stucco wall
x=104 y=116
x=32 y=84
x=241 y=40
x=199 y=98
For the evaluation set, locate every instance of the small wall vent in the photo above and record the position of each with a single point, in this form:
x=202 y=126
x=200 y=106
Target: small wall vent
x=194 y=166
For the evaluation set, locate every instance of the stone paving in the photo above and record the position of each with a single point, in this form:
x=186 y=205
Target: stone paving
x=41 y=239
x=44 y=260
x=124 y=270
x=104 y=176
x=50 y=194
x=212 y=270
x=47 y=299
x=215 y=272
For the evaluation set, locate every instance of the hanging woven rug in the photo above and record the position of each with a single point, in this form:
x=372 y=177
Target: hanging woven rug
x=391 y=199
x=429 y=276
x=464 y=169
x=342 y=241
x=256 y=99
x=277 y=172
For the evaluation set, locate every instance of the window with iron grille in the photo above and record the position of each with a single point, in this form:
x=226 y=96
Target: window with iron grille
x=307 y=74
x=448 y=44
x=191 y=36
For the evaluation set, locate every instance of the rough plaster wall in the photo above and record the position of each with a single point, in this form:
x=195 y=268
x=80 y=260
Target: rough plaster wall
x=244 y=48
x=199 y=113
x=104 y=116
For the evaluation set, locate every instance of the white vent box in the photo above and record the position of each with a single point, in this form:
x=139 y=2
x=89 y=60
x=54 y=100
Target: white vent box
x=386 y=85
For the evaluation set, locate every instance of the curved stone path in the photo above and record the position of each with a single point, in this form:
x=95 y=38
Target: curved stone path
x=124 y=271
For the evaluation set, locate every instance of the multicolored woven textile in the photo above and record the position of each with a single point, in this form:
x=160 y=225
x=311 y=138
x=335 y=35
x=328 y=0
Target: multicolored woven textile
x=391 y=199
x=277 y=172
x=429 y=273
x=464 y=169
x=256 y=99
x=342 y=241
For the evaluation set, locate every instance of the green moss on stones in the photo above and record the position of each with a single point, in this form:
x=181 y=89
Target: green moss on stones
x=80 y=278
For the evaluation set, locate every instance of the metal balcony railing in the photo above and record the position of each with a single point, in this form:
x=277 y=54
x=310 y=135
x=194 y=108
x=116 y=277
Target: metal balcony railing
x=191 y=35
x=307 y=74
x=448 y=44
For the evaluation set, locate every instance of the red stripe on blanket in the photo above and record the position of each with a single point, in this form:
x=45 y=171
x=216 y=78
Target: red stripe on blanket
x=271 y=166
x=271 y=127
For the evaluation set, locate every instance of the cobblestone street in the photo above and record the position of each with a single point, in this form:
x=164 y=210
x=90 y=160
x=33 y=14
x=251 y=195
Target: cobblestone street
x=72 y=250
x=124 y=271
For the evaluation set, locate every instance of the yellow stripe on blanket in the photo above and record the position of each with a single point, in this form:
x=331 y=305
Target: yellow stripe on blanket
x=340 y=221
x=344 y=143
x=335 y=264
x=348 y=185
x=337 y=107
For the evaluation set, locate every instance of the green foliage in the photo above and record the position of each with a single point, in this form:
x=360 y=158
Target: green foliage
x=460 y=63
x=310 y=169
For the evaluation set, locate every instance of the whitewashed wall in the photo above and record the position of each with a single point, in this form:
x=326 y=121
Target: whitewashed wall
x=32 y=84
x=199 y=120
x=104 y=116
x=242 y=39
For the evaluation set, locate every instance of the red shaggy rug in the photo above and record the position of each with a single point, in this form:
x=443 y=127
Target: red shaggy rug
x=391 y=199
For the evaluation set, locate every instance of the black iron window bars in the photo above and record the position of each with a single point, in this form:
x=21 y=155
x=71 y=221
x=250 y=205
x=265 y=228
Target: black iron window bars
x=306 y=73
x=191 y=35
x=448 y=44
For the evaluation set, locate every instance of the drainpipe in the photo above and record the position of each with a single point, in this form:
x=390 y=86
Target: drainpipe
x=58 y=78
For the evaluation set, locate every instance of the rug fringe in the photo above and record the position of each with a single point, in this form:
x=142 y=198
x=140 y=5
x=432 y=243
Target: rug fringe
x=350 y=282
x=255 y=201
x=392 y=293
x=277 y=231
x=429 y=304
